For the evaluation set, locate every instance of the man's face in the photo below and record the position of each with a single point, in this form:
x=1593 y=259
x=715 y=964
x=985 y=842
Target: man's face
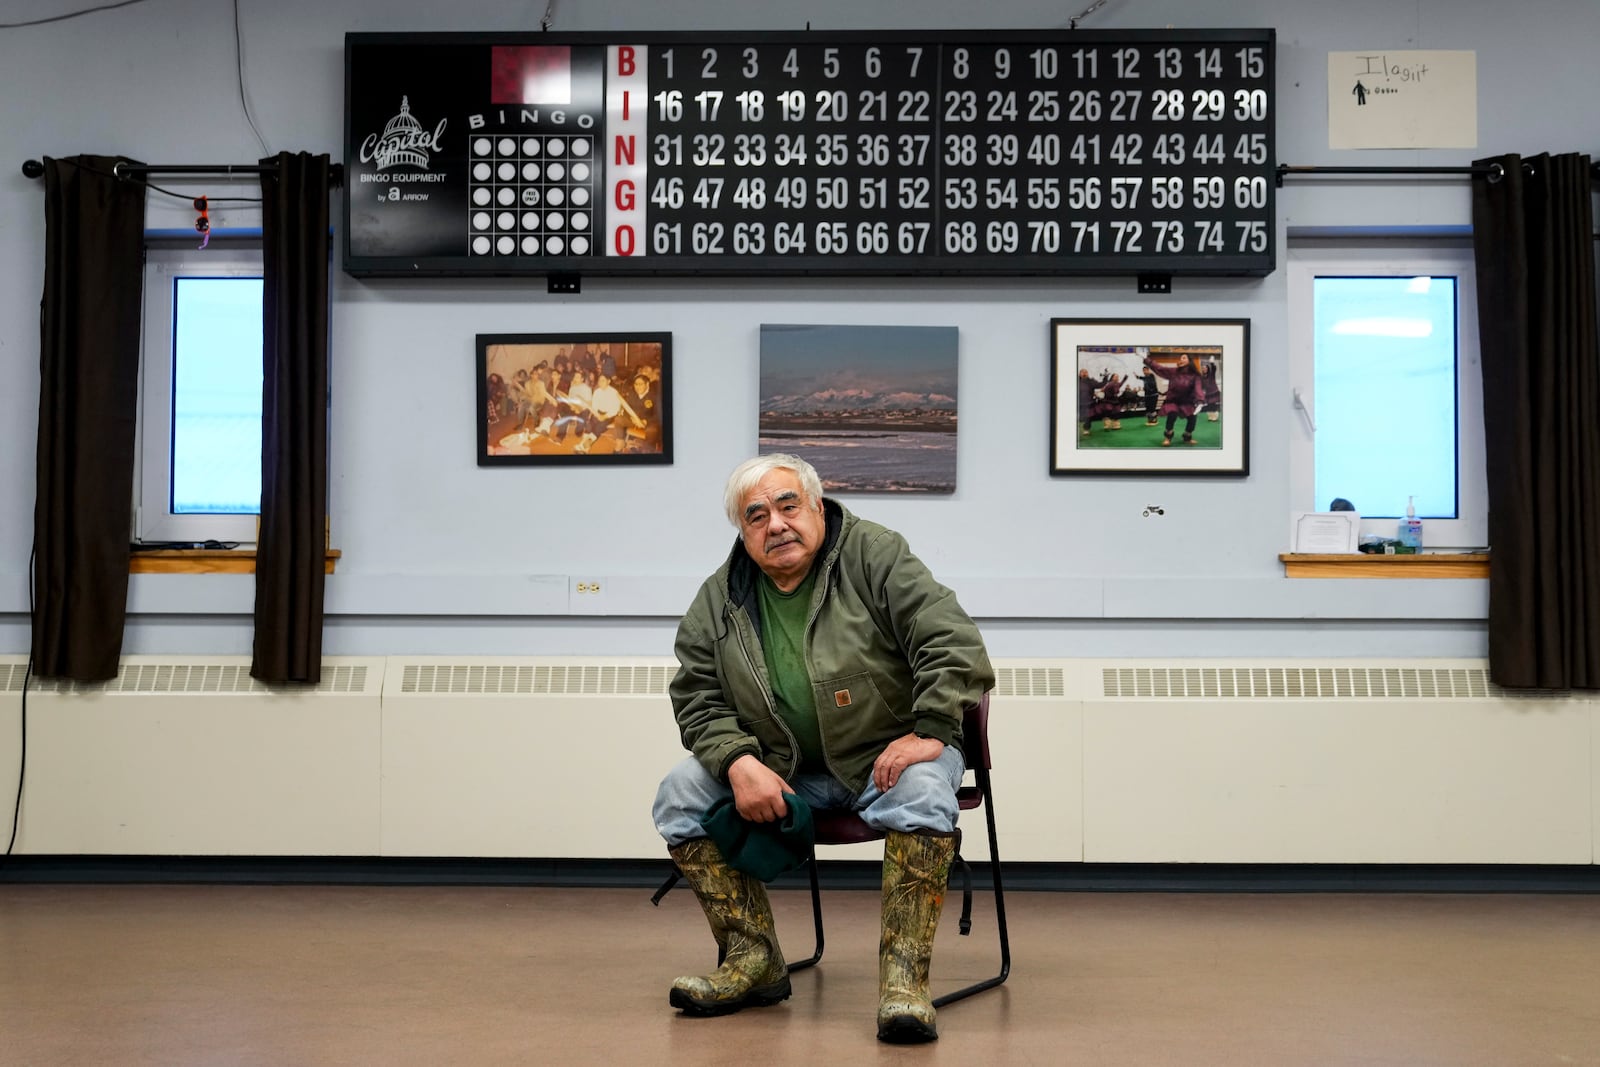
x=781 y=530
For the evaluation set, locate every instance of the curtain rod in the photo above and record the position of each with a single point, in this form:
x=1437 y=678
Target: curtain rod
x=1494 y=170
x=33 y=168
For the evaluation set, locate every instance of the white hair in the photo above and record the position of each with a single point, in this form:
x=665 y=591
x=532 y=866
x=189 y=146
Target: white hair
x=747 y=474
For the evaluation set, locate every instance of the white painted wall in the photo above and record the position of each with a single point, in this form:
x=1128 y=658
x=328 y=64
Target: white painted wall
x=441 y=556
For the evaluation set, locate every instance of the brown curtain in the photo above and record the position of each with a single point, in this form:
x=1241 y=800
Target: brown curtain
x=88 y=407
x=1533 y=228
x=294 y=420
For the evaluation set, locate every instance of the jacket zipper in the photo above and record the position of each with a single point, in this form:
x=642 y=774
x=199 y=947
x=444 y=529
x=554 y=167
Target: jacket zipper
x=766 y=690
x=816 y=609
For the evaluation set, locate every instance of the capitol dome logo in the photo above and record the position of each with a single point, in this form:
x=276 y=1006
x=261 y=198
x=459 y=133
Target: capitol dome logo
x=403 y=143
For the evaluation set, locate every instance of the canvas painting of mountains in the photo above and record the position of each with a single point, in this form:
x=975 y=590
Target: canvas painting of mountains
x=873 y=408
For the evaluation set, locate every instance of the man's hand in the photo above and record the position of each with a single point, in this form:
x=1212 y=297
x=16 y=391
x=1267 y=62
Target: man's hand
x=902 y=753
x=757 y=790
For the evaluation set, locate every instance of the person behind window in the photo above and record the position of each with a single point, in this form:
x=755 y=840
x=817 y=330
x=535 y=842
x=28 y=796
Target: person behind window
x=860 y=709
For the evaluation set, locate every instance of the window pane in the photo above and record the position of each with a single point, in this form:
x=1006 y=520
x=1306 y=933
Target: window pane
x=216 y=396
x=1385 y=389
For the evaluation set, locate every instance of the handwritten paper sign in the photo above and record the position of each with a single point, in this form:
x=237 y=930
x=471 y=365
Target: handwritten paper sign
x=1379 y=99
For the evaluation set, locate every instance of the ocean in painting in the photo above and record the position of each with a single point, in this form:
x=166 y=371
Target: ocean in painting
x=874 y=461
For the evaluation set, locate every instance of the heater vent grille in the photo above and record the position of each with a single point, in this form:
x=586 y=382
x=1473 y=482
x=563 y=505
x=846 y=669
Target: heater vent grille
x=1029 y=682
x=1308 y=683
x=199 y=678
x=585 y=680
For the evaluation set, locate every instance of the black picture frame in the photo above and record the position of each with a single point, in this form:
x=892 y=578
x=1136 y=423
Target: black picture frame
x=1105 y=419
x=560 y=423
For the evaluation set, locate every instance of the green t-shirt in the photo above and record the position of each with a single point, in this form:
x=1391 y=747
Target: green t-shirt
x=783 y=643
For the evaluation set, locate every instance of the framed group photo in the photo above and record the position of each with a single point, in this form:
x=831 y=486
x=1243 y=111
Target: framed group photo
x=1149 y=396
x=574 y=399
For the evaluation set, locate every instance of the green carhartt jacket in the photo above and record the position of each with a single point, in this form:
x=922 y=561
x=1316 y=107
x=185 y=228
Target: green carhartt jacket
x=888 y=648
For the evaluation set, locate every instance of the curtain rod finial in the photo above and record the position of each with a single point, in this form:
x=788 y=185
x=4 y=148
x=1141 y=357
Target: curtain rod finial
x=32 y=168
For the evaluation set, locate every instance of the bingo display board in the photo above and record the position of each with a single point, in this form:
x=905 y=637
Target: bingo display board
x=896 y=153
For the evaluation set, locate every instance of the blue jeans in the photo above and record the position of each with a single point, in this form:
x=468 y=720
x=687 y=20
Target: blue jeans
x=923 y=799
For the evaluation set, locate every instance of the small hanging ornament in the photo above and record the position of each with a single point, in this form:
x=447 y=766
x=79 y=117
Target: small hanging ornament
x=202 y=225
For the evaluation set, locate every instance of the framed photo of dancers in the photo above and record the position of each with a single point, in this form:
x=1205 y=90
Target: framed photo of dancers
x=574 y=399
x=1150 y=396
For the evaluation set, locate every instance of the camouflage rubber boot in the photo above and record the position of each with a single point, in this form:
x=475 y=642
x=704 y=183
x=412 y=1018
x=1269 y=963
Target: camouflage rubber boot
x=916 y=868
x=752 y=974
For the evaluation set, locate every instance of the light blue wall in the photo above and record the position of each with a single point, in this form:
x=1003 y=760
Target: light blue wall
x=441 y=556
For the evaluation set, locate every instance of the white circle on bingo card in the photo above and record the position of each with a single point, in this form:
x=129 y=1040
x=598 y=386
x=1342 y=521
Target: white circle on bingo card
x=506 y=220
x=555 y=172
x=530 y=246
x=580 y=172
x=580 y=146
x=481 y=172
x=530 y=172
x=555 y=146
x=530 y=197
x=481 y=146
x=480 y=220
x=506 y=245
x=579 y=220
x=480 y=245
x=554 y=197
x=580 y=196
x=554 y=220
x=530 y=146
x=480 y=196
x=507 y=145
x=507 y=171
x=507 y=196
x=553 y=245
x=580 y=245
x=530 y=220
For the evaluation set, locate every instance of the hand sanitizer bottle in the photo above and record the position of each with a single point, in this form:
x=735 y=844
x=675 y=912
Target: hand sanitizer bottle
x=1411 y=527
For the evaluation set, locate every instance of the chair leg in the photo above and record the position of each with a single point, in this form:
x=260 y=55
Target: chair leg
x=982 y=774
x=816 y=916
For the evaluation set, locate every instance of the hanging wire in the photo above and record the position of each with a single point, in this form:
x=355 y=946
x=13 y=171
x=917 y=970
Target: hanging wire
x=238 y=58
x=68 y=15
x=549 y=15
x=27 y=676
x=1085 y=13
x=190 y=196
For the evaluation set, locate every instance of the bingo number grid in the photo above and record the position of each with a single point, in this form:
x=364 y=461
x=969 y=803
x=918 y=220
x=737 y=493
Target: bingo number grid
x=852 y=153
x=531 y=195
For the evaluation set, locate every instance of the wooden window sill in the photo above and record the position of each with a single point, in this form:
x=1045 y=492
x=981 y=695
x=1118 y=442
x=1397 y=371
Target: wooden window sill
x=1361 y=565
x=204 y=561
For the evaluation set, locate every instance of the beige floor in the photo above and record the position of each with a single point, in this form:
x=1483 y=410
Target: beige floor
x=179 y=975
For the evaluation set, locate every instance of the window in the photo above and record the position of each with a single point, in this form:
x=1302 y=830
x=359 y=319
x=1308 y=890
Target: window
x=1387 y=385
x=200 y=404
